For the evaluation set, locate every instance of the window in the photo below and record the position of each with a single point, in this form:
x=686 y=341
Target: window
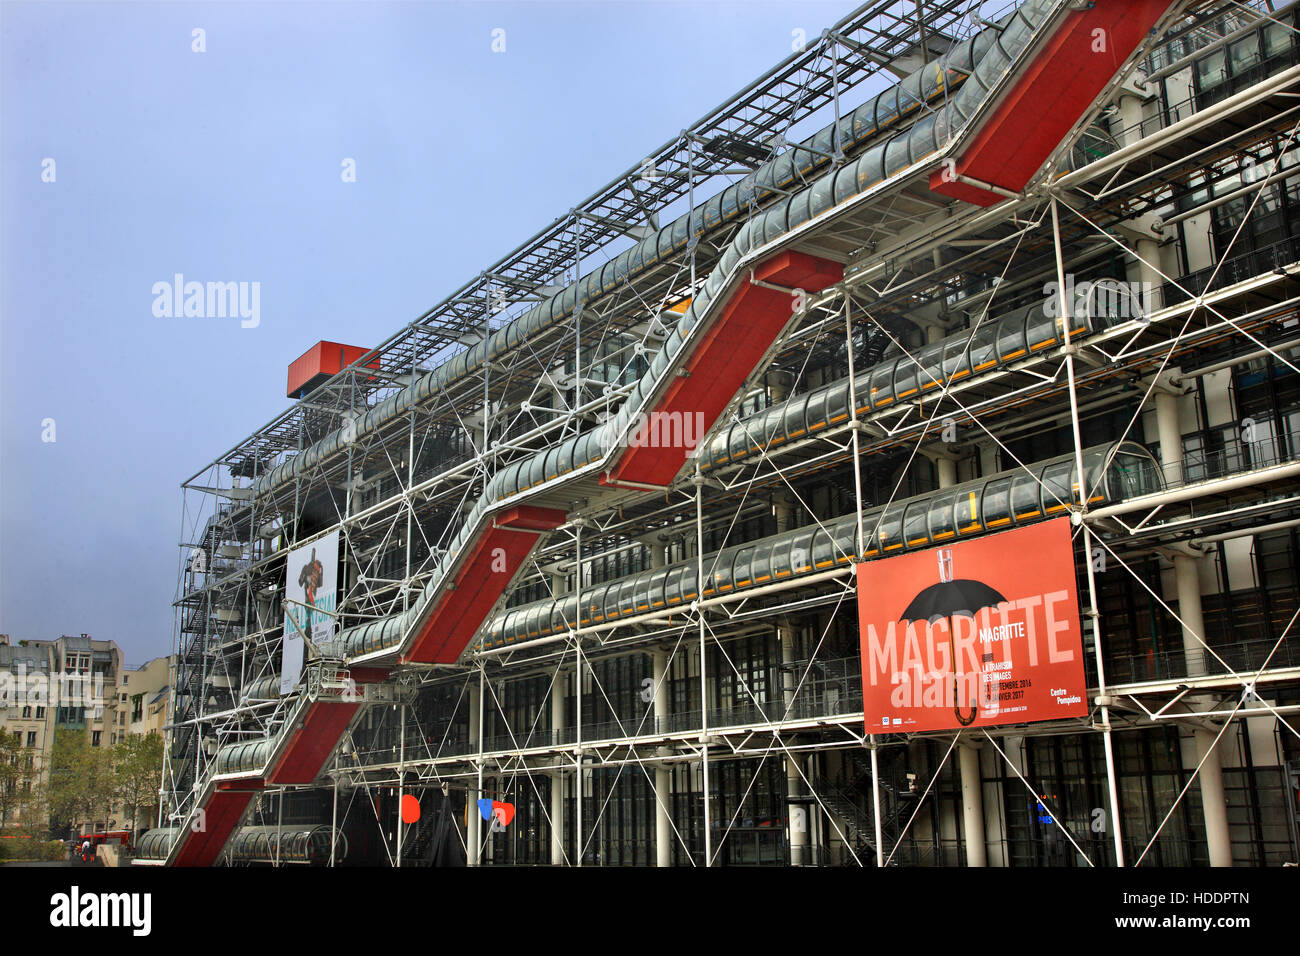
x=27 y=713
x=40 y=713
x=114 y=738
x=31 y=738
x=94 y=737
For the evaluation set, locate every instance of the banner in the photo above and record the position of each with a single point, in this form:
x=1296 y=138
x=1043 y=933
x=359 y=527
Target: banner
x=310 y=597
x=1003 y=607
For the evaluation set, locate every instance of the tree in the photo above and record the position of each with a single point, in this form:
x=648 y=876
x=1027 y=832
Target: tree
x=80 y=776
x=137 y=770
x=19 y=780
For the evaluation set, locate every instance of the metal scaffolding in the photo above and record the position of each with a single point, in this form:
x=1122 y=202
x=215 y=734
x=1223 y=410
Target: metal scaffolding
x=661 y=714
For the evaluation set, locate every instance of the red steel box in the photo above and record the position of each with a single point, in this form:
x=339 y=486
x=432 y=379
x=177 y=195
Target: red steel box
x=320 y=362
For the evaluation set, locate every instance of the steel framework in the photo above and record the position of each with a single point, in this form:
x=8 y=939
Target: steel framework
x=925 y=276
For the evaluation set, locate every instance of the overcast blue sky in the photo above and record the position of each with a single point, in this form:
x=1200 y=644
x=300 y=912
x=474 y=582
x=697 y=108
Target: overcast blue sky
x=225 y=166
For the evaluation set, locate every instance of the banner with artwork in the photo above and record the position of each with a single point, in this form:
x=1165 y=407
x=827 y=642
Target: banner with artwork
x=981 y=633
x=310 y=598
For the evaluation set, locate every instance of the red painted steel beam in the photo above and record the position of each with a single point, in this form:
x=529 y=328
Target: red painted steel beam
x=717 y=367
x=311 y=744
x=495 y=556
x=1042 y=106
x=221 y=815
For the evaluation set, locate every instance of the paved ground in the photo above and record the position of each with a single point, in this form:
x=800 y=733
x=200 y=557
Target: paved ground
x=64 y=862
x=47 y=863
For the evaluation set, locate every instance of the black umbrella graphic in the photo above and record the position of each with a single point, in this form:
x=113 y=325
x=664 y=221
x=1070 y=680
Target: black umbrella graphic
x=946 y=600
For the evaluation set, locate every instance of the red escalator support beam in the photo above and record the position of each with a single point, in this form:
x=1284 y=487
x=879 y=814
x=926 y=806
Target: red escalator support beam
x=313 y=741
x=717 y=367
x=220 y=817
x=1042 y=106
x=494 y=558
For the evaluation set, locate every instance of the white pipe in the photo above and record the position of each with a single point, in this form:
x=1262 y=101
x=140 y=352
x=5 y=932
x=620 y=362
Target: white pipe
x=1123 y=156
x=1190 y=492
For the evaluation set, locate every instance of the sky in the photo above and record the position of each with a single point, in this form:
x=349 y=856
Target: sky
x=127 y=156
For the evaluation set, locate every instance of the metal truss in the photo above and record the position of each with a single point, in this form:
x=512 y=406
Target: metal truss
x=915 y=261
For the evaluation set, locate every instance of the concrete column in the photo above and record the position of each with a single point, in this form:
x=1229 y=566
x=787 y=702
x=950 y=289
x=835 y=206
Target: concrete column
x=1130 y=118
x=990 y=459
x=557 y=817
x=778 y=386
x=1214 y=802
x=658 y=552
x=783 y=509
x=946 y=471
x=972 y=805
x=797 y=810
x=1153 y=298
x=663 y=775
x=1170 y=436
x=933 y=333
x=473 y=834
x=557 y=775
x=1188 y=579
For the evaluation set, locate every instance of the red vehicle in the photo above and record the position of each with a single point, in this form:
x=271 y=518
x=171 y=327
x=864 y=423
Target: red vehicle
x=121 y=837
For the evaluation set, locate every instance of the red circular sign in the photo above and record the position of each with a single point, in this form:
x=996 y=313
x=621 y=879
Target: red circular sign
x=410 y=808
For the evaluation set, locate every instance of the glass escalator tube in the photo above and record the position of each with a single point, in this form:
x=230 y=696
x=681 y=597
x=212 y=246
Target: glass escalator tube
x=1020 y=496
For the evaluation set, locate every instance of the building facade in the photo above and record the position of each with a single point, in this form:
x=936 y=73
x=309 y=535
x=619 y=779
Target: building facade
x=68 y=685
x=73 y=685
x=588 y=528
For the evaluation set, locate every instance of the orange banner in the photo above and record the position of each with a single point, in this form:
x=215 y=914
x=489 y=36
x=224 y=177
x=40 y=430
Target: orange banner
x=1004 y=607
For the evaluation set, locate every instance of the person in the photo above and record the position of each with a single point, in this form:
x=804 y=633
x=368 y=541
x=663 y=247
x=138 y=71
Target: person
x=85 y=850
x=310 y=578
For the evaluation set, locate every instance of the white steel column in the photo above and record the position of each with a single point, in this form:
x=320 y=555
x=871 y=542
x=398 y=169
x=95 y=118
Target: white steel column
x=663 y=775
x=401 y=781
x=334 y=812
x=579 y=777
x=1214 y=803
x=704 y=670
x=557 y=775
x=1066 y=313
x=578 y=781
x=472 y=830
x=860 y=544
x=797 y=814
x=972 y=805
